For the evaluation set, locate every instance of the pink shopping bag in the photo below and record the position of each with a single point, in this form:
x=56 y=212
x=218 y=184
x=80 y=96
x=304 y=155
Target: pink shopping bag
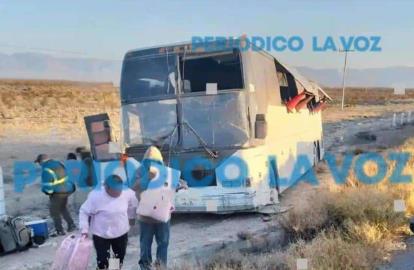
x=73 y=254
x=64 y=253
x=80 y=255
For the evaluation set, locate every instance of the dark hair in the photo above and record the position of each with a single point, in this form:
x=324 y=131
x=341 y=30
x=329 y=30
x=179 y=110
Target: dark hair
x=40 y=158
x=81 y=149
x=71 y=156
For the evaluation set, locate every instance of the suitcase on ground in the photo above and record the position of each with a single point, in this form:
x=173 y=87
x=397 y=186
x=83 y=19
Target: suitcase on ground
x=80 y=257
x=64 y=253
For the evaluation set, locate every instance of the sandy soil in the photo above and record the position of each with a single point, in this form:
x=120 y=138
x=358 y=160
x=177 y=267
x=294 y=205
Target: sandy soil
x=22 y=138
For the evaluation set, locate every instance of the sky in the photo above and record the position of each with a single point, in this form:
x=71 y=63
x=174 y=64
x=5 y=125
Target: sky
x=106 y=29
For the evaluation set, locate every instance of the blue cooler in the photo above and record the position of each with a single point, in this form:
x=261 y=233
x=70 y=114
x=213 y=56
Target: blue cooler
x=39 y=228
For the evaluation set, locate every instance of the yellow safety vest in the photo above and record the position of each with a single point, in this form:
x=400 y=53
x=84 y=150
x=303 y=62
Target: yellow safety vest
x=48 y=187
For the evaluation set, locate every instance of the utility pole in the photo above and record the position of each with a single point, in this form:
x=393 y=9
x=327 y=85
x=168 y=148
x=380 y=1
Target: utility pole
x=343 y=77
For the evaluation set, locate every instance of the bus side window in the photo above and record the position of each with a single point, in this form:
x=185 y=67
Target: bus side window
x=284 y=86
x=287 y=83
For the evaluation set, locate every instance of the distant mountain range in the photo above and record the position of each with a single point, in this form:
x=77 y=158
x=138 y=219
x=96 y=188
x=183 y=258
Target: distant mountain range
x=368 y=77
x=43 y=66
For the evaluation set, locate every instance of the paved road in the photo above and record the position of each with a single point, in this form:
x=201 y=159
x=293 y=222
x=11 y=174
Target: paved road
x=402 y=260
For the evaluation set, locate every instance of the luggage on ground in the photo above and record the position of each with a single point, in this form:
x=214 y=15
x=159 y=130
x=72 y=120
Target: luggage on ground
x=6 y=238
x=14 y=235
x=22 y=232
x=40 y=230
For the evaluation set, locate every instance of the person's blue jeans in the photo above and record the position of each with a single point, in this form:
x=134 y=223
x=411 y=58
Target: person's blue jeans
x=161 y=231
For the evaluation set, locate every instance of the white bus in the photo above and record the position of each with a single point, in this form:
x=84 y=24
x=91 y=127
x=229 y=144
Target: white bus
x=221 y=117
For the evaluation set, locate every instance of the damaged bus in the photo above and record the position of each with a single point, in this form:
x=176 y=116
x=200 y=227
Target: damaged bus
x=233 y=122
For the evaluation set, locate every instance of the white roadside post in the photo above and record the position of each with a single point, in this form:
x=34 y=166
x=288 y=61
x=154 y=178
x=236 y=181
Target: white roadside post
x=402 y=119
x=409 y=117
x=399 y=206
x=394 y=120
x=2 y=199
x=302 y=264
x=343 y=77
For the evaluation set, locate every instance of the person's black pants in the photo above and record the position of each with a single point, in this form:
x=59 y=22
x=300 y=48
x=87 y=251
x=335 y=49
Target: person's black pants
x=103 y=246
x=58 y=208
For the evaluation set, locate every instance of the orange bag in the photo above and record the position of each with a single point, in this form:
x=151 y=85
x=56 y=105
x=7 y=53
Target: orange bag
x=291 y=104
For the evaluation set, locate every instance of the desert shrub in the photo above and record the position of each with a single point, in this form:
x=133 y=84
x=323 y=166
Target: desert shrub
x=236 y=260
x=349 y=206
x=329 y=250
x=365 y=204
x=352 y=228
x=307 y=218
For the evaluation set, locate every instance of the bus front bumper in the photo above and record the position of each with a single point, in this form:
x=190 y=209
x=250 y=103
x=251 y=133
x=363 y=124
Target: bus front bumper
x=215 y=200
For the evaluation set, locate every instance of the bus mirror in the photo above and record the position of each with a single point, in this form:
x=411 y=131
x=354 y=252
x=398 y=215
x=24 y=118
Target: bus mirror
x=260 y=126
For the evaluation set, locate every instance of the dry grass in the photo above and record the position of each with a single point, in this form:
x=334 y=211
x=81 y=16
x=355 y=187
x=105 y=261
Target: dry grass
x=363 y=95
x=352 y=226
x=366 y=102
x=58 y=107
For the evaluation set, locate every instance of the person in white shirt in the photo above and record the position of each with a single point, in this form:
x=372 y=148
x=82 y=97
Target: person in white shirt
x=107 y=214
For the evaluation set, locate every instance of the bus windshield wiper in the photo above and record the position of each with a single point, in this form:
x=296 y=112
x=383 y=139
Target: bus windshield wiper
x=212 y=153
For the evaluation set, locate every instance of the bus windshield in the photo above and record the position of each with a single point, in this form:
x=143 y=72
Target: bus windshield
x=148 y=123
x=148 y=76
x=209 y=111
x=218 y=120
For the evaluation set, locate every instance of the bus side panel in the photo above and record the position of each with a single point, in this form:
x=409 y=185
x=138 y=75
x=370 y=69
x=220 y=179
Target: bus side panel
x=289 y=135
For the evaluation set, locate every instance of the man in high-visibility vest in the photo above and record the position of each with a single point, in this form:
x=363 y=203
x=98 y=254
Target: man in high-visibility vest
x=58 y=186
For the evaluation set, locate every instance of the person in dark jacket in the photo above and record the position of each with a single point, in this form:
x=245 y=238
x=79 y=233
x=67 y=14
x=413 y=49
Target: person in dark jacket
x=57 y=186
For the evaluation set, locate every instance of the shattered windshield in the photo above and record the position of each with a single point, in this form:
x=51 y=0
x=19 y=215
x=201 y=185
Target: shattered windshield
x=148 y=76
x=148 y=123
x=216 y=119
x=220 y=120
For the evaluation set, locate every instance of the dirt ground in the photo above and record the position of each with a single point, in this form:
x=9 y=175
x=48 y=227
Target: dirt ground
x=24 y=134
